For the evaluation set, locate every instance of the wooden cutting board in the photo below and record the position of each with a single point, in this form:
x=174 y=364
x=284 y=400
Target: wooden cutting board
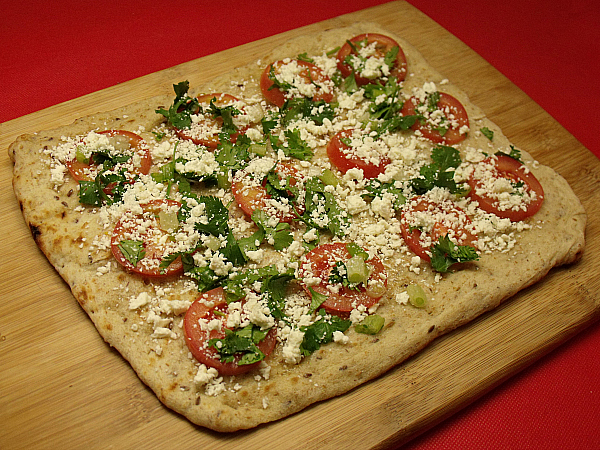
x=61 y=386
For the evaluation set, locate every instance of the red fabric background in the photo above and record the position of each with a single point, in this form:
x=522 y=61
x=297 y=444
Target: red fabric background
x=56 y=51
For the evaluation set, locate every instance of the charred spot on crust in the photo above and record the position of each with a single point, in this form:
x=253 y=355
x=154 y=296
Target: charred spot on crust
x=21 y=205
x=35 y=231
x=431 y=329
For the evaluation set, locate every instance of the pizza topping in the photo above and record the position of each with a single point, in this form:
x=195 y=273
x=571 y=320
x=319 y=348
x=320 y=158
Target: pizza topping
x=325 y=272
x=284 y=210
x=270 y=187
x=416 y=295
x=350 y=149
x=368 y=57
x=441 y=118
x=217 y=113
x=290 y=78
x=438 y=232
x=503 y=186
x=103 y=163
x=139 y=243
x=214 y=344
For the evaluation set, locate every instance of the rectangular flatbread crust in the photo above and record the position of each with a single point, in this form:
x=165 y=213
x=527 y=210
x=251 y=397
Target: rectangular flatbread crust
x=68 y=234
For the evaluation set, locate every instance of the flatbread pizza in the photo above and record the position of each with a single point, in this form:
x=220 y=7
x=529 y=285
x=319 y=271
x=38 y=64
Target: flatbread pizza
x=295 y=227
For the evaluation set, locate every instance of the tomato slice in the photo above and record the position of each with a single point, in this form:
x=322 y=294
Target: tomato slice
x=423 y=222
x=341 y=300
x=206 y=131
x=383 y=44
x=500 y=167
x=454 y=115
x=197 y=338
x=304 y=77
x=252 y=196
x=345 y=157
x=128 y=229
x=81 y=171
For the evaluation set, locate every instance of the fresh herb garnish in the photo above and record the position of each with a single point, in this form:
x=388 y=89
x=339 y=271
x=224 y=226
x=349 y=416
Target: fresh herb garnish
x=180 y=112
x=321 y=332
x=316 y=300
x=305 y=108
x=439 y=173
x=385 y=107
x=132 y=251
x=515 y=153
x=445 y=253
x=487 y=133
x=322 y=211
x=227 y=113
x=376 y=188
x=304 y=57
x=243 y=341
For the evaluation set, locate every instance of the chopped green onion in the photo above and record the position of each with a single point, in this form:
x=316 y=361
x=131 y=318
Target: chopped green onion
x=357 y=270
x=258 y=149
x=223 y=180
x=370 y=325
x=212 y=242
x=329 y=178
x=80 y=157
x=167 y=221
x=416 y=295
x=376 y=289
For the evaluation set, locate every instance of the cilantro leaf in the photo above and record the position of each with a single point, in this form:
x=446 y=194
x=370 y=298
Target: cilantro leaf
x=296 y=147
x=242 y=342
x=277 y=83
x=235 y=284
x=133 y=251
x=487 y=133
x=316 y=300
x=227 y=113
x=322 y=211
x=386 y=105
x=107 y=188
x=183 y=107
x=302 y=107
x=321 y=332
x=439 y=173
x=391 y=55
x=233 y=156
x=275 y=288
x=445 y=253
x=304 y=57
x=279 y=236
x=217 y=216
x=376 y=188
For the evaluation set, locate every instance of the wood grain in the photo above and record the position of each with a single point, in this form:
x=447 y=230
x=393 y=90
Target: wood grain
x=61 y=386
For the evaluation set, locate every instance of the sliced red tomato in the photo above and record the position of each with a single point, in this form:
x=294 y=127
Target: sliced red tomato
x=308 y=74
x=383 y=44
x=344 y=158
x=206 y=132
x=423 y=222
x=197 y=339
x=81 y=171
x=449 y=132
x=252 y=196
x=128 y=229
x=341 y=300
x=504 y=166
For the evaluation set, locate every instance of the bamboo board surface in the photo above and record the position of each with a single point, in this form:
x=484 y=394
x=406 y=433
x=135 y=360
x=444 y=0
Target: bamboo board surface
x=61 y=386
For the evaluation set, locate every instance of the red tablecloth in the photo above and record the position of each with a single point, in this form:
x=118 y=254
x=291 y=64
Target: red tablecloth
x=56 y=51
